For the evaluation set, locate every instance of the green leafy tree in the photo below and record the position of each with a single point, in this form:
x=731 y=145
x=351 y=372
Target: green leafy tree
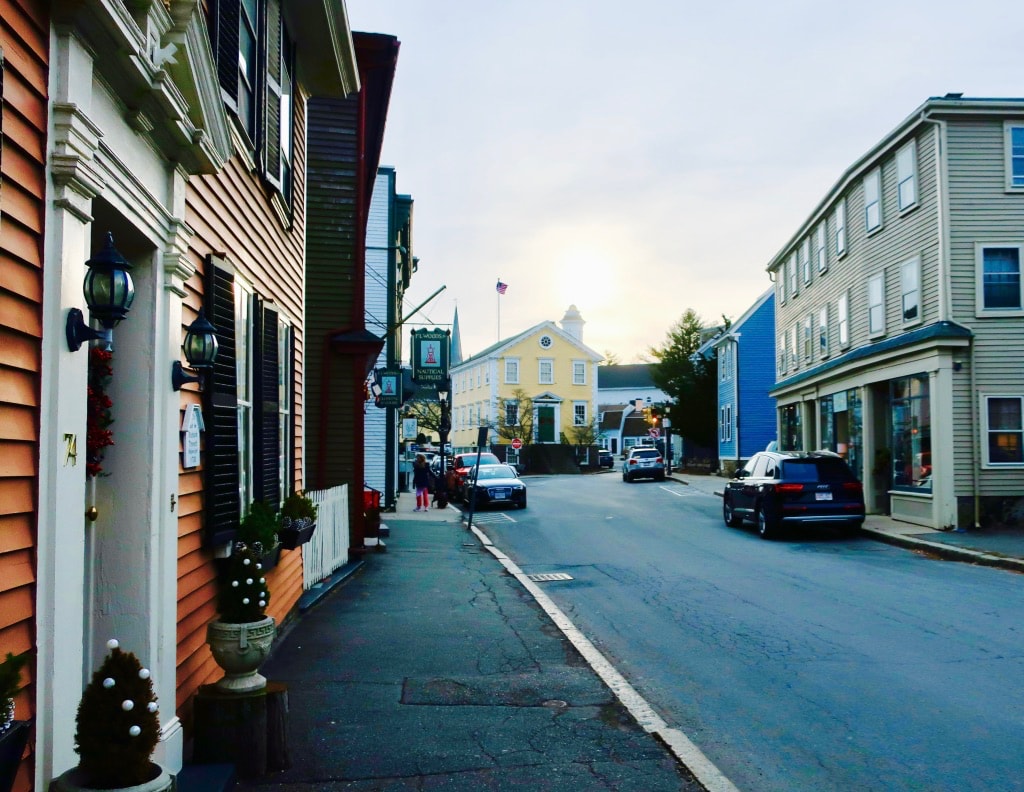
x=610 y=359
x=689 y=379
x=522 y=426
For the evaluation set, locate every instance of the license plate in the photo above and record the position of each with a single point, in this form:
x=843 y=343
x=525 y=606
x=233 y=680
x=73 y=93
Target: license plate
x=823 y=496
x=501 y=495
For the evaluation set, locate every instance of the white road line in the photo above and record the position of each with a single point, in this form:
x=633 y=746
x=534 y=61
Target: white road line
x=678 y=743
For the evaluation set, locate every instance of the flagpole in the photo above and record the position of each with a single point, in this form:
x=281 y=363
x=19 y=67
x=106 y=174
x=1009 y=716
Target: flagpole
x=497 y=296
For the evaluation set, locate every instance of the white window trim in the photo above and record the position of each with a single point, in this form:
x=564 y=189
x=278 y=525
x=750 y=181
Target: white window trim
x=780 y=273
x=805 y=259
x=808 y=337
x=821 y=248
x=879 y=331
x=983 y=402
x=782 y=362
x=979 y=270
x=794 y=333
x=913 y=264
x=540 y=371
x=515 y=380
x=1008 y=128
x=581 y=366
x=843 y=320
x=728 y=423
x=906 y=154
x=575 y=418
x=791 y=272
x=840 y=232
x=874 y=177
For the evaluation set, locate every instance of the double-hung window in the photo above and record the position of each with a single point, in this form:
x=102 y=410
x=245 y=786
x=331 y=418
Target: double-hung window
x=840 y=228
x=823 y=331
x=511 y=412
x=794 y=356
x=873 y=200
x=250 y=444
x=781 y=350
x=546 y=371
x=1014 y=137
x=794 y=287
x=820 y=253
x=876 y=304
x=511 y=371
x=579 y=413
x=906 y=176
x=1004 y=430
x=255 y=57
x=999 y=280
x=808 y=336
x=910 y=288
x=805 y=259
x=579 y=372
x=780 y=286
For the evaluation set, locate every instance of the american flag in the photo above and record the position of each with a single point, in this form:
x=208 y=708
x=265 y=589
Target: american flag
x=501 y=287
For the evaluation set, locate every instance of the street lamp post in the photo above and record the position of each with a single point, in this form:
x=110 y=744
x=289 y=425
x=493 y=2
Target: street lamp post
x=443 y=393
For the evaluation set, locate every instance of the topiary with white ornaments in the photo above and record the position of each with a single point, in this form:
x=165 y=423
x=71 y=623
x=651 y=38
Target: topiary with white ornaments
x=243 y=594
x=118 y=723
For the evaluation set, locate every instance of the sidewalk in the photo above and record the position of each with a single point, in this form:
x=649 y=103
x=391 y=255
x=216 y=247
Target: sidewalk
x=1002 y=548
x=433 y=668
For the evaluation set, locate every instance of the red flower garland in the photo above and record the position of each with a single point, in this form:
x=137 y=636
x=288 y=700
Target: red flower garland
x=98 y=416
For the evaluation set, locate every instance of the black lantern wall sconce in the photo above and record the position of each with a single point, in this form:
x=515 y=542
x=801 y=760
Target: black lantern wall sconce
x=200 y=348
x=108 y=291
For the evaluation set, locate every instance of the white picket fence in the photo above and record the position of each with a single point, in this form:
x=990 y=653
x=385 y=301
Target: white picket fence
x=328 y=549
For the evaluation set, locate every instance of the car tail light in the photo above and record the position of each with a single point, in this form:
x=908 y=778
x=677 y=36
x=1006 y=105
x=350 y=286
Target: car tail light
x=788 y=489
x=659 y=460
x=853 y=486
x=632 y=461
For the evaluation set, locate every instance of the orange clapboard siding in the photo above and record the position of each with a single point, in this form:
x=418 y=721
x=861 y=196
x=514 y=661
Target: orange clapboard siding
x=19 y=351
x=15 y=532
x=18 y=423
x=16 y=496
x=15 y=570
x=21 y=315
x=17 y=459
x=20 y=277
x=14 y=604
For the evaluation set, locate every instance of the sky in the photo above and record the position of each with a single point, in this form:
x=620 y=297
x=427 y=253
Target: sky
x=639 y=159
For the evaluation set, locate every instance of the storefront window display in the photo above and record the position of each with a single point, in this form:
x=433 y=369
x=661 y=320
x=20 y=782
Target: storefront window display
x=792 y=436
x=911 y=434
x=841 y=427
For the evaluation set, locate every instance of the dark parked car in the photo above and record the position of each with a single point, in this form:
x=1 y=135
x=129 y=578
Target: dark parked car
x=605 y=458
x=644 y=462
x=778 y=489
x=495 y=485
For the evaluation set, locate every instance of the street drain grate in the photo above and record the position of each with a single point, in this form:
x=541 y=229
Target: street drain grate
x=547 y=577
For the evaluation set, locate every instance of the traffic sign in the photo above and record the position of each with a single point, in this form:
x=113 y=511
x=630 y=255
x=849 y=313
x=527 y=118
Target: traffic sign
x=517 y=443
x=654 y=432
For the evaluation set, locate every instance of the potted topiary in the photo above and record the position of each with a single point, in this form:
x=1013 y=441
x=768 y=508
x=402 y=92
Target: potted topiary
x=298 y=520
x=118 y=727
x=241 y=636
x=13 y=733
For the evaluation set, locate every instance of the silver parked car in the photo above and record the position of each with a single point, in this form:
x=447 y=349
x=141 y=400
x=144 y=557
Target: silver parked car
x=643 y=462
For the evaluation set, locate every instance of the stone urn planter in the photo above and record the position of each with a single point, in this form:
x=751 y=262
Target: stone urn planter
x=240 y=649
x=75 y=780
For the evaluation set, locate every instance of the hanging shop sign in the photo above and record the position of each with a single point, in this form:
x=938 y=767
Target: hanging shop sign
x=430 y=355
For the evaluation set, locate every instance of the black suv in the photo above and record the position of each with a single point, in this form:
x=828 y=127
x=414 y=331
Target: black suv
x=778 y=489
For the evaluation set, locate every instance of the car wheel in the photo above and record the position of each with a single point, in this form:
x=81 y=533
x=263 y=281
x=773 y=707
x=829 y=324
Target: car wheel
x=765 y=524
x=730 y=517
x=523 y=504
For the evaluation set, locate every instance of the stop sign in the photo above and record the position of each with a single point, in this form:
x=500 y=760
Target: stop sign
x=517 y=443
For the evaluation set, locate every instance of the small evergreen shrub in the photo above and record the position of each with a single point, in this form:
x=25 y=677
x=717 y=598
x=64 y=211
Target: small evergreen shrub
x=118 y=723
x=243 y=594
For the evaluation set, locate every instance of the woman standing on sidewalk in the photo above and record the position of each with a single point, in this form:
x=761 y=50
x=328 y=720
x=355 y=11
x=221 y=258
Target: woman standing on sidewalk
x=421 y=483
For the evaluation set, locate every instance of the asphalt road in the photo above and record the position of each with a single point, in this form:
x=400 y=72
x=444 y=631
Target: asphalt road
x=822 y=662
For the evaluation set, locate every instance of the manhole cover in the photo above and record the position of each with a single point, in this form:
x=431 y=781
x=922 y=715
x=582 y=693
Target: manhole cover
x=546 y=577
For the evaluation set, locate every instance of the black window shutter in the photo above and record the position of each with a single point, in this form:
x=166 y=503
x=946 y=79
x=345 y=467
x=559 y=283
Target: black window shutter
x=223 y=505
x=224 y=35
x=267 y=419
x=272 y=115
